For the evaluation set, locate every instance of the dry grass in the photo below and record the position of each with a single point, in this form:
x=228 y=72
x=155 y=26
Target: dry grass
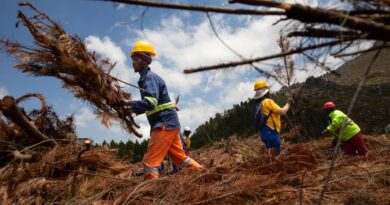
x=239 y=171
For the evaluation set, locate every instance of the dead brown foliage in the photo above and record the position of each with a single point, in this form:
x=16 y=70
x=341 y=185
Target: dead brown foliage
x=66 y=57
x=23 y=135
x=239 y=171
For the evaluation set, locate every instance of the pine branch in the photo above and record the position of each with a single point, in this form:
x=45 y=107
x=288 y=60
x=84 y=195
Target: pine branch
x=190 y=7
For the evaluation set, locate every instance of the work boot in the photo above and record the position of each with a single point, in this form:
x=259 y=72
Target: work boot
x=139 y=172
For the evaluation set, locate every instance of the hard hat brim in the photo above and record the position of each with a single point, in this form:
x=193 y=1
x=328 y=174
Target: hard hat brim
x=260 y=93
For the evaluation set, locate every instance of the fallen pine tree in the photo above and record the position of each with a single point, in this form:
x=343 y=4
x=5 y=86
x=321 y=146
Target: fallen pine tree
x=66 y=58
x=40 y=128
x=238 y=171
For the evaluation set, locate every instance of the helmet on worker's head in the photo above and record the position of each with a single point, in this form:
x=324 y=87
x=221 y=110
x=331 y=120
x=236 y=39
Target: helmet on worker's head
x=329 y=105
x=261 y=89
x=259 y=84
x=187 y=129
x=143 y=47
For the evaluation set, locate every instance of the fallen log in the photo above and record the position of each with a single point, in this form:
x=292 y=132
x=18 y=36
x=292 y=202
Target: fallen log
x=13 y=112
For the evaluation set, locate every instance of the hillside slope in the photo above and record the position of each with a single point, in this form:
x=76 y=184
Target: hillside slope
x=238 y=172
x=371 y=109
x=351 y=72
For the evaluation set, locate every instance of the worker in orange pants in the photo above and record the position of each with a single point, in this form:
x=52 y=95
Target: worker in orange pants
x=164 y=142
x=160 y=112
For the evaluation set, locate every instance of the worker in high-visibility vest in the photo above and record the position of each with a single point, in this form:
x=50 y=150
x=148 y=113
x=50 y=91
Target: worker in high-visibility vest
x=161 y=114
x=352 y=139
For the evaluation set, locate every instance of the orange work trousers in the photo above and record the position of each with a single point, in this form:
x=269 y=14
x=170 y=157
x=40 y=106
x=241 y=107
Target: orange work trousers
x=161 y=143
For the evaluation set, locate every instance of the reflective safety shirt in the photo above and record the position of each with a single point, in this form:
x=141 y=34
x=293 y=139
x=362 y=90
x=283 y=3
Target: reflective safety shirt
x=155 y=102
x=336 y=120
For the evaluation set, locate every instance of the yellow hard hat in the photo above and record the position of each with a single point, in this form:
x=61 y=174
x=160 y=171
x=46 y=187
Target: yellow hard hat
x=143 y=46
x=259 y=84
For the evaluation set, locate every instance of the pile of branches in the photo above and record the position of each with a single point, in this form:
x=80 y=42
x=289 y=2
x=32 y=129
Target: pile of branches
x=66 y=57
x=238 y=171
x=21 y=132
x=64 y=174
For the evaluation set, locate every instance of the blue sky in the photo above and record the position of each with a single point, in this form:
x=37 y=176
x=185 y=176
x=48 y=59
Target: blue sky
x=182 y=40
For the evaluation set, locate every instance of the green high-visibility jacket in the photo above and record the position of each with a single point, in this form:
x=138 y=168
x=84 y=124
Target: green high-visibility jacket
x=336 y=122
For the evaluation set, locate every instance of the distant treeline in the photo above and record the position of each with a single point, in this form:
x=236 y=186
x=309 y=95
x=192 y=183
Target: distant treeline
x=235 y=121
x=371 y=112
x=131 y=151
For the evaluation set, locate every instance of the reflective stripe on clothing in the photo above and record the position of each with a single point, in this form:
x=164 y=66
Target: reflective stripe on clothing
x=160 y=107
x=150 y=176
x=152 y=100
x=185 y=163
x=162 y=142
x=150 y=169
x=155 y=102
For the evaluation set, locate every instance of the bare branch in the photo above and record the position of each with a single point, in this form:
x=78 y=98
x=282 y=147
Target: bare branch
x=323 y=33
x=344 y=125
x=261 y=71
x=362 y=51
x=249 y=61
x=329 y=16
x=190 y=7
x=322 y=65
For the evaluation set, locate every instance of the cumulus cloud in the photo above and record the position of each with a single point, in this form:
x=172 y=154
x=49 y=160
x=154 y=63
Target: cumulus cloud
x=120 y=6
x=236 y=92
x=108 y=49
x=176 y=80
x=197 y=112
x=187 y=45
x=84 y=117
x=180 y=44
x=3 y=92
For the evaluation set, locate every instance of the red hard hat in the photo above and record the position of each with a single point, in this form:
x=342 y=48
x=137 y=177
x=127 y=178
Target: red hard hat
x=329 y=105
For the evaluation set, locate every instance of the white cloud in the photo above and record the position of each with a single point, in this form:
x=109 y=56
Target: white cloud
x=3 y=92
x=106 y=48
x=120 y=6
x=180 y=44
x=84 y=117
x=144 y=130
x=176 y=80
x=88 y=125
x=236 y=92
x=197 y=113
x=195 y=45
